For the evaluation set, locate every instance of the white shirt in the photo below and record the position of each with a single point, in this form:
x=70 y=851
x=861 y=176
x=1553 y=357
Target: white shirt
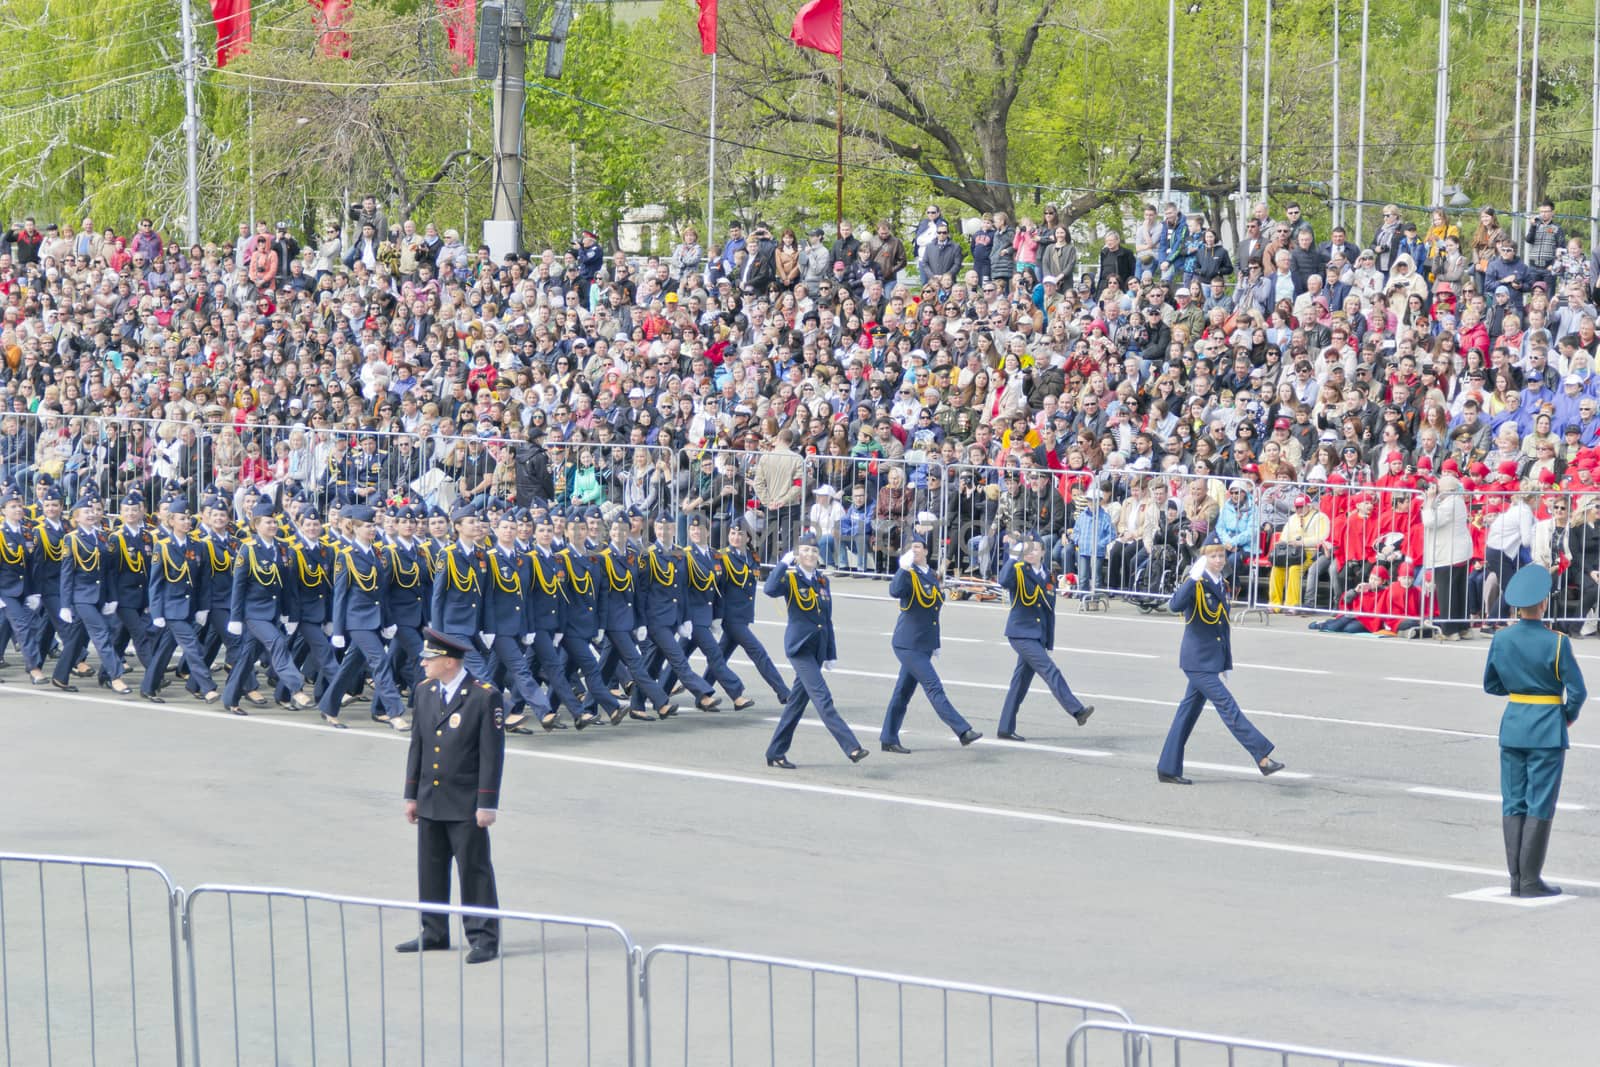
x=448 y=690
x=1511 y=530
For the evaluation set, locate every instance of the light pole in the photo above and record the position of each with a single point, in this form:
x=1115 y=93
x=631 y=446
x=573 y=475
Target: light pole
x=1166 y=164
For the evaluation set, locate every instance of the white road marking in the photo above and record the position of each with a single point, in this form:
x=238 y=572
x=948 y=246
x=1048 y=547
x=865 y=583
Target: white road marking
x=1499 y=894
x=1273 y=667
x=788 y=784
x=861 y=728
x=1434 y=681
x=1458 y=794
x=1106 y=652
x=1232 y=768
x=944 y=637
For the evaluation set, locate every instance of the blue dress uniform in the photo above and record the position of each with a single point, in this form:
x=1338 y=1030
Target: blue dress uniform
x=1535 y=669
x=410 y=583
x=130 y=555
x=545 y=597
x=700 y=597
x=21 y=594
x=361 y=623
x=737 y=583
x=1031 y=630
x=580 y=630
x=661 y=583
x=915 y=641
x=220 y=549
x=457 y=605
x=50 y=534
x=620 y=618
x=505 y=623
x=453 y=771
x=1206 y=652
x=308 y=585
x=809 y=643
x=85 y=592
x=256 y=609
x=180 y=589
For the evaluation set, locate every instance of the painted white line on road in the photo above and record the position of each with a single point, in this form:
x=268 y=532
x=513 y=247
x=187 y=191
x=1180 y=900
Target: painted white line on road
x=1433 y=681
x=1273 y=667
x=1065 y=750
x=1232 y=768
x=777 y=781
x=943 y=637
x=1499 y=894
x=1493 y=798
x=1106 y=652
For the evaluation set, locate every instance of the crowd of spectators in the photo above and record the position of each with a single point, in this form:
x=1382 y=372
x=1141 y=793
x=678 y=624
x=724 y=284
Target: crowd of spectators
x=1360 y=424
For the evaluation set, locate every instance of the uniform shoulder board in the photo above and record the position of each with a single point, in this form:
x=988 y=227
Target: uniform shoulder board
x=486 y=685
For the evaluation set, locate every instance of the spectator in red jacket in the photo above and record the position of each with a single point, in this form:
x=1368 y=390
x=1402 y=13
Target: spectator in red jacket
x=1402 y=604
x=1364 y=606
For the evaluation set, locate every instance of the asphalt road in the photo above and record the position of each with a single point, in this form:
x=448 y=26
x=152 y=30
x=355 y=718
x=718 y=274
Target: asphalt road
x=1323 y=906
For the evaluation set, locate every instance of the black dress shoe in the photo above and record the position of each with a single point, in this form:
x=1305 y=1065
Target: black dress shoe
x=1010 y=737
x=1083 y=716
x=416 y=944
x=550 y=722
x=641 y=715
x=585 y=720
x=707 y=703
x=43 y=679
x=154 y=698
x=1272 y=766
x=969 y=737
x=482 y=954
x=858 y=755
x=333 y=721
x=121 y=688
x=380 y=717
x=65 y=687
x=897 y=748
x=616 y=715
x=1173 y=779
x=743 y=703
x=667 y=712
x=237 y=710
x=780 y=762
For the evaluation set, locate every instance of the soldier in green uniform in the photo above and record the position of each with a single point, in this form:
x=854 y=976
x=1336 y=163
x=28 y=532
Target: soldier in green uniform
x=1534 y=668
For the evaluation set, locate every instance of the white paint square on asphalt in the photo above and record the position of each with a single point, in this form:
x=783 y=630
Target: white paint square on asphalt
x=1499 y=894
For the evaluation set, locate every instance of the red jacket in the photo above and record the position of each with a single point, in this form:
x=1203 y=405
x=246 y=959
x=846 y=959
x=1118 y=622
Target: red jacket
x=1368 y=607
x=1401 y=604
x=1353 y=536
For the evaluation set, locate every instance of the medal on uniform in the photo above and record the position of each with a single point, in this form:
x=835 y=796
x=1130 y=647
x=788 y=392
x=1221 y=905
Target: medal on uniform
x=455 y=720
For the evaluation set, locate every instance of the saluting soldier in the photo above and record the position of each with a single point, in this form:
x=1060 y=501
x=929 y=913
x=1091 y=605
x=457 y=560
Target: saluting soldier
x=1535 y=669
x=624 y=624
x=809 y=643
x=452 y=792
x=308 y=585
x=86 y=600
x=662 y=579
x=737 y=585
x=258 y=611
x=361 y=624
x=179 y=592
x=1206 y=652
x=21 y=595
x=1031 y=632
x=915 y=643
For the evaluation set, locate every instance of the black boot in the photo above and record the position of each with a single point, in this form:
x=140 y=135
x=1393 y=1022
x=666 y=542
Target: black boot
x=1535 y=841
x=1511 y=826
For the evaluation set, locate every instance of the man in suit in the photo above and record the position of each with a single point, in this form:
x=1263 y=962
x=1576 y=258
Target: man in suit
x=915 y=643
x=1535 y=669
x=808 y=641
x=458 y=748
x=1031 y=630
x=1206 y=653
x=737 y=583
x=361 y=623
x=180 y=598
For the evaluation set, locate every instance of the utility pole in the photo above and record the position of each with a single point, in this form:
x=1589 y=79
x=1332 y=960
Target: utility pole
x=191 y=125
x=510 y=94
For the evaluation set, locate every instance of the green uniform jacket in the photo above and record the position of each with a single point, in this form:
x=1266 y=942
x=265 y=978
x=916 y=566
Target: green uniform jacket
x=1529 y=659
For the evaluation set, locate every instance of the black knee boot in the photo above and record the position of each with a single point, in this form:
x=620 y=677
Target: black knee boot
x=1511 y=827
x=1535 y=841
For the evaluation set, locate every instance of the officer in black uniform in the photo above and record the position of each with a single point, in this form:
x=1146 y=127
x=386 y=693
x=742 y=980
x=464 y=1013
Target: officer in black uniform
x=458 y=747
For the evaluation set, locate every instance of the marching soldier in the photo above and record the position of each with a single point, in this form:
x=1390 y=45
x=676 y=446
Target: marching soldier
x=1534 y=668
x=308 y=583
x=505 y=621
x=737 y=583
x=809 y=643
x=1207 y=652
x=700 y=596
x=662 y=580
x=179 y=592
x=258 y=612
x=132 y=546
x=915 y=643
x=50 y=533
x=452 y=792
x=624 y=625
x=21 y=595
x=460 y=570
x=86 y=600
x=580 y=632
x=1031 y=631
x=545 y=597
x=410 y=584
x=219 y=544
x=361 y=624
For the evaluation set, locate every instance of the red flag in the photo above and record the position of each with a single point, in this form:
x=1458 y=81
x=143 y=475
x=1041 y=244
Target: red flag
x=332 y=41
x=820 y=25
x=460 y=19
x=708 y=27
x=232 y=19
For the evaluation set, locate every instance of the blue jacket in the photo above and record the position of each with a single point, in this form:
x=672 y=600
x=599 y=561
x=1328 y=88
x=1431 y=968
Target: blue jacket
x=810 y=604
x=51 y=540
x=1238 y=528
x=1207 y=633
x=129 y=554
x=407 y=593
x=308 y=580
x=258 y=582
x=458 y=589
x=545 y=594
x=219 y=551
x=1033 y=604
x=921 y=599
x=737 y=580
x=1092 y=532
x=85 y=580
x=700 y=585
x=505 y=592
x=580 y=608
x=19 y=564
x=180 y=580
x=360 y=591
x=1529 y=659
x=661 y=585
x=617 y=584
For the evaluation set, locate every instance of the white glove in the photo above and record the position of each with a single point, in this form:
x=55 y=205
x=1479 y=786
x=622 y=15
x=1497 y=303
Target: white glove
x=337 y=640
x=236 y=627
x=31 y=602
x=594 y=646
x=2 y=603
x=640 y=634
x=486 y=638
x=827 y=664
x=283 y=620
x=788 y=559
x=200 y=617
x=327 y=629
x=686 y=630
x=528 y=639
x=290 y=627
x=387 y=632
x=1196 y=569
x=66 y=615
x=109 y=608
x=907 y=561
x=159 y=623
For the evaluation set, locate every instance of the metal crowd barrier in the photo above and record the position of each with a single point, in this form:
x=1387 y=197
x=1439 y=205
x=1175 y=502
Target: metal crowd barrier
x=286 y=976
x=89 y=967
x=1147 y=1046
x=739 y=1009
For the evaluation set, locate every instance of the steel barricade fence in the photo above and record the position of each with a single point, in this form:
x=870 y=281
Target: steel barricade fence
x=767 y=1009
x=89 y=968
x=285 y=976
x=1152 y=1046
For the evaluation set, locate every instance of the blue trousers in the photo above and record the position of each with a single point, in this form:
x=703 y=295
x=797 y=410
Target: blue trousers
x=135 y=623
x=625 y=651
x=545 y=661
x=87 y=626
x=740 y=635
x=316 y=659
x=717 y=670
x=178 y=634
x=916 y=668
x=363 y=651
x=405 y=657
x=262 y=636
x=217 y=636
x=1034 y=659
x=809 y=686
x=27 y=627
x=1530 y=781
x=506 y=652
x=581 y=656
x=665 y=638
x=1204 y=686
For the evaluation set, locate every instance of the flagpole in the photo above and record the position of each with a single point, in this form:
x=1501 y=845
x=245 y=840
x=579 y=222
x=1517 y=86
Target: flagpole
x=711 y=153
x=838 y=164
